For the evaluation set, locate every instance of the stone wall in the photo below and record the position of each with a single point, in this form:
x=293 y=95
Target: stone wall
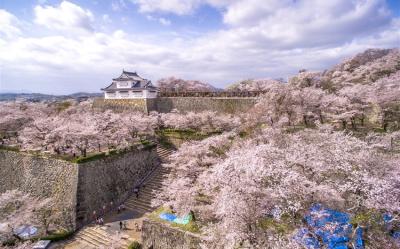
x=111 y=179
x=183 y=104
x=139 y=105
x=156 y=235
x=41 y=177
x=199 y=104
x=76 y=189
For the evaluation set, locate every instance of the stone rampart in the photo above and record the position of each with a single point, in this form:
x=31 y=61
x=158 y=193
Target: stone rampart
x=77 y=189
x=156 y=235
x=41 y=177
x=199 y=104
x=137 y=105
x=183 y=104
x=111 y=179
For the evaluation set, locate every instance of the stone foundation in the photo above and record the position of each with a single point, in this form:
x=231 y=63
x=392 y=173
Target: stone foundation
x=183 y=104
x=199 y=104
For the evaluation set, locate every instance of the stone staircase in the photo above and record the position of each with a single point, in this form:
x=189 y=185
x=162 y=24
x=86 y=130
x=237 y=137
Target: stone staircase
x=98 y=237
x=151 y=186
x=163 y=153
x=93 y=236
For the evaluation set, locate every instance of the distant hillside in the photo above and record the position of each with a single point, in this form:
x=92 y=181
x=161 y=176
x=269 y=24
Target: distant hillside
x=36 y=97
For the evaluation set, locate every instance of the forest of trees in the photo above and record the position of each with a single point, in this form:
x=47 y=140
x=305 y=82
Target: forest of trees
x=327 y=137
x=330 y=138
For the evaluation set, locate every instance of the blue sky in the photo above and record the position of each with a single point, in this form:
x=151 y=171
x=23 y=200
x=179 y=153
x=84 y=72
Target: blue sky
x=54 y=46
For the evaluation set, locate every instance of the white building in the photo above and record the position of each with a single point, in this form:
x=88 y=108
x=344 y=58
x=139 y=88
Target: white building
x=130 y=86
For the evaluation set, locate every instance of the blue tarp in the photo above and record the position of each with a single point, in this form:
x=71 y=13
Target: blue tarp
x=173 y=218
x=328 y=228
x=168 y=217
x=391 y=228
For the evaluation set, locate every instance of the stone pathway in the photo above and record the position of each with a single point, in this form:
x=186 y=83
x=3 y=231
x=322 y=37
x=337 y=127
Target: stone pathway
x=95 y=236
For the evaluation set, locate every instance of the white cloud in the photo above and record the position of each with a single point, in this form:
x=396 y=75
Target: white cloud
x=161 y=20
x=66 y=16
x=274 y=40
x=178 y=7
x=8 y=24
x=284 y=24
x=164 y=21
x=106 y=19
x=118 y=5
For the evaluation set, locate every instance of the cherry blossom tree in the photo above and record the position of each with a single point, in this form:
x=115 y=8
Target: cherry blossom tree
x=254 y=85
x=18 y=208
x=176 y=84
x=204 y=121
x=233 y=184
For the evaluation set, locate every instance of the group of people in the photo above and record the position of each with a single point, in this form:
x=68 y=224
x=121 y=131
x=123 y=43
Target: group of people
x=121 y=208
x=100 y=221
x=122 y=225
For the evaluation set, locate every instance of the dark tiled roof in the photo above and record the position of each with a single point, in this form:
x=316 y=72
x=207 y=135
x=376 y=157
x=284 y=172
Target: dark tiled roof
x=138 y=83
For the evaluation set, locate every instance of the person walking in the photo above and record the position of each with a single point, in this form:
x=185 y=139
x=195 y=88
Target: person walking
x=136 y=191
x=120 y=225
x=94 y=215
x=104 y=209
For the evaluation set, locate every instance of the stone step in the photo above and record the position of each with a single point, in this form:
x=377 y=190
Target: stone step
x=146 y=202
x=139 y=209
x=164 y=150
x=89 y=240
x=149 y=191
x=139 y=203
x=100 y=235
x=154 y=185
x=144 y=198
x=98 y=238
x=151 y=187
x=163 y=154
x=164 y=169
x=85 y=243
x=146 y=205
x=158 y=177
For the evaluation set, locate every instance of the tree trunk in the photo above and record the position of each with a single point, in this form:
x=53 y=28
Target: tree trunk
x=305 y=120
x=385 y=125
x=353 y=123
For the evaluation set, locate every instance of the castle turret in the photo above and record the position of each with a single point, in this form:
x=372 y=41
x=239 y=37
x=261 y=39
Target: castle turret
x=130 y=86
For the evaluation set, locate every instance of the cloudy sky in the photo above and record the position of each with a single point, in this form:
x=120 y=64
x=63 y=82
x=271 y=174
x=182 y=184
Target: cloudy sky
x=54 y=46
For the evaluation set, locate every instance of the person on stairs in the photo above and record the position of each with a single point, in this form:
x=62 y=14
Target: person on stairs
x=136 y=191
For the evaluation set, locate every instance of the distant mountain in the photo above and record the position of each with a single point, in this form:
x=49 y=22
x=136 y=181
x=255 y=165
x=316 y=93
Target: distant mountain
x=36 y=97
